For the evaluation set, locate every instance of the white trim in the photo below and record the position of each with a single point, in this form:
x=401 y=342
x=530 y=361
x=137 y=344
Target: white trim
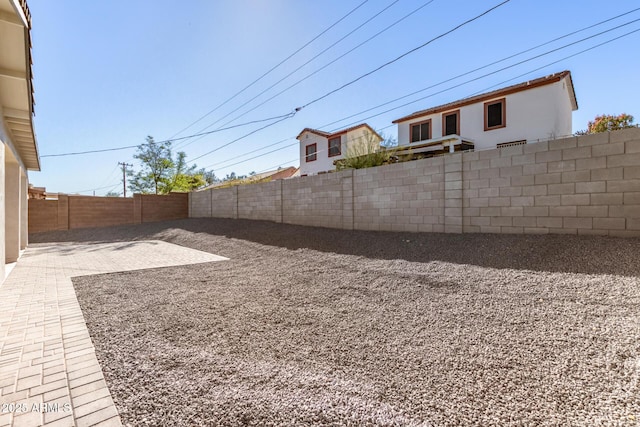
x=20 y=12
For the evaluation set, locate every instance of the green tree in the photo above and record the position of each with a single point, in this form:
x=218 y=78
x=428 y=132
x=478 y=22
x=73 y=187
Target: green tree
x=208 y=176
x=608 y=123
x=182 y=177
x=160 y=173
x=155 y=160
x=112 y=194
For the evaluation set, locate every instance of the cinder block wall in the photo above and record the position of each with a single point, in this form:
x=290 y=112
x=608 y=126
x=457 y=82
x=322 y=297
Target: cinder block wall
x=580 y=185
x=263 y=201
x=200 y=204
x=91 y=212
x=400 y=197
x=43 y=215
x=164 y=208
x=317 y=200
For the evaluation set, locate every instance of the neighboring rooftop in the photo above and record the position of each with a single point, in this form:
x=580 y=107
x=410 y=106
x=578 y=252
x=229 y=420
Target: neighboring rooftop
x=530 y=84
x=273 y=175
x=340 y=132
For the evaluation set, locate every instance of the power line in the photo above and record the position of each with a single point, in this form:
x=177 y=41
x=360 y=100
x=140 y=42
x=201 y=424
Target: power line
x=405 y=54
x=333 y=91
x=315 y=72
x=490 y=64
x=306 y=63
x=468 y=81
x=565 y=58
x=94 y=189
x=113 y=189
x=88 y=152
x=290 y=115
x=254 y=151
x=381 y=66
x=110 y=175
x=321 y=68
x=282 y=148
x=500 y=70
x=422 y=98
x=169 y=140
x=274 y=67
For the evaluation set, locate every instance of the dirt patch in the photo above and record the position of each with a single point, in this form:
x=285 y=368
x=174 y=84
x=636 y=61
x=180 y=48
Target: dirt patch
x=383 y=329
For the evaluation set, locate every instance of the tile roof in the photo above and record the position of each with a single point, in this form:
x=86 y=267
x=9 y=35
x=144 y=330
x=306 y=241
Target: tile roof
x=340 y=132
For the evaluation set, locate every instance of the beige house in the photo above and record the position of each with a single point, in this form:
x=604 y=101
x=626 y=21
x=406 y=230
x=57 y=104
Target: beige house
x=320 y=150
x=18 y=148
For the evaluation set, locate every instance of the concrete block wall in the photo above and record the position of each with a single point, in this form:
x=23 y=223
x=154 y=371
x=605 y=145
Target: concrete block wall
x=318 y=200
x=262 y=201
x=43 y=215
x=70 y=212
x=91 y=212
x=164 y=208
x=401 y=197
x=200 y=204
x=225 y=203
x=580 y=185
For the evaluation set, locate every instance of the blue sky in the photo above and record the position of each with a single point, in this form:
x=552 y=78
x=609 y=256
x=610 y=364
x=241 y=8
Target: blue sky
x=107 y=74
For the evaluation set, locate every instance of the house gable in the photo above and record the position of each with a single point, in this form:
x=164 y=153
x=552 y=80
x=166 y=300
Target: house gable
x=325 y=147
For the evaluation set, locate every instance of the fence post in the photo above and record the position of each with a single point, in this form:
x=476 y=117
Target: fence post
x=453 y=193
x=63 y=212
x=137 y=208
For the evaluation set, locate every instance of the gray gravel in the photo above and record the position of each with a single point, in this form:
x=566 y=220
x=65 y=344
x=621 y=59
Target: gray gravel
x=309 y=326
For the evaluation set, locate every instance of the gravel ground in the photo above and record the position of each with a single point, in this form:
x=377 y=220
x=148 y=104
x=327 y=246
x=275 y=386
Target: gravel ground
x=309 y=326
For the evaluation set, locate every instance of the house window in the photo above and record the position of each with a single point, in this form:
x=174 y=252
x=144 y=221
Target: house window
x=451 y=123
x=335 y=147
x=421 y=131
x=311 y=153
x=495 y=114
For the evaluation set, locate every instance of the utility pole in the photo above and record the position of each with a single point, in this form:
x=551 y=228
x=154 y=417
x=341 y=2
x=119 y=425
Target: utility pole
x=124 y=177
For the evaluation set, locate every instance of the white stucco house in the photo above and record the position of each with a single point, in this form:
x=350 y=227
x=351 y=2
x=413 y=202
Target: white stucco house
x=319 y=150
x=18 y=148
x=530 y=111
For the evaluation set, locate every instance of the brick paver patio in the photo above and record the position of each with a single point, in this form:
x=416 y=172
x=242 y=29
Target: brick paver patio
x=49 y=373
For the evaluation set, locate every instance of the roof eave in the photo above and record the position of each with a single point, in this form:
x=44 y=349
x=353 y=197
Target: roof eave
x=530 y=84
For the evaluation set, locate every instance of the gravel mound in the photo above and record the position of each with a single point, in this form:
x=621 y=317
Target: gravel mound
x=308 y=326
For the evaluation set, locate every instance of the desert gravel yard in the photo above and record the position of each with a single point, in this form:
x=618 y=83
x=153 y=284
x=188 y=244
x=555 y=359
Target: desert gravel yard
x=310 y=326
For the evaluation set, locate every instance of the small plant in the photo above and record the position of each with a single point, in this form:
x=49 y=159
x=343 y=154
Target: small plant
x=367 y=153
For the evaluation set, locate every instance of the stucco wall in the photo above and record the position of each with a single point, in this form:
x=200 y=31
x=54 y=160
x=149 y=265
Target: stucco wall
x=2 y=202
x=541 y=113
x=322 y=162
x=579 y=185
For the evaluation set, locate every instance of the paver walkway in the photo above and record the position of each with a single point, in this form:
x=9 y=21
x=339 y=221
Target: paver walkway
x=49 y=373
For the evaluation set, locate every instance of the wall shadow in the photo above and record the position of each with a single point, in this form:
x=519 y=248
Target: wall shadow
x=551 y=253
